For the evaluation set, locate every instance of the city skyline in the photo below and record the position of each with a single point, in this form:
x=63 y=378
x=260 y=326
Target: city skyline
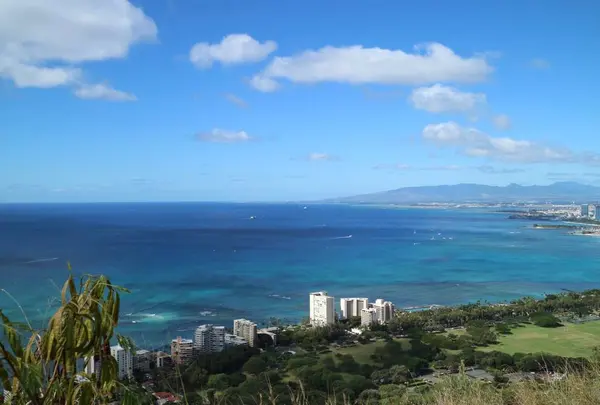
x=188 y=101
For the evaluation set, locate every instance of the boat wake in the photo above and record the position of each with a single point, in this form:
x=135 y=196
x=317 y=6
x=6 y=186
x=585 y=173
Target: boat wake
x=50 y=259
x=282 y=297
x=342 y=237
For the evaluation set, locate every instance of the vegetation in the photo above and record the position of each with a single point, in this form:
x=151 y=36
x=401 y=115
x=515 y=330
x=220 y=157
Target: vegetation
x=41 y=366
x=321 y=365
x=571 y=340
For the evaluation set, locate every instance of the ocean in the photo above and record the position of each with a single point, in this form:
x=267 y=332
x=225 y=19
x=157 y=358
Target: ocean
x=193 y=263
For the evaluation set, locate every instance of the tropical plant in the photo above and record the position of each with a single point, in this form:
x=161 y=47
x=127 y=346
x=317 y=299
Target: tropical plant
x=43 y=367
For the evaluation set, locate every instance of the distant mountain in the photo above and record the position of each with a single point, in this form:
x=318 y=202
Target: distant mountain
x=557 y=192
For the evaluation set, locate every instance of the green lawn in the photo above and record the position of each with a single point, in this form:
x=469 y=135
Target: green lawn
x=571 y=340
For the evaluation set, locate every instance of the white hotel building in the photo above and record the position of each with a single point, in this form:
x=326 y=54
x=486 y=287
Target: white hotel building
x=353 y=306
x=368 y=316
x=322 y=311
x=124 y=361
x=384 y=309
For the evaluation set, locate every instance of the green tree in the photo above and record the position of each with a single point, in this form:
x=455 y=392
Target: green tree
x=218 y=382
x=255 y=365
x=399 y=374
x=545 y=320
x=43 y=369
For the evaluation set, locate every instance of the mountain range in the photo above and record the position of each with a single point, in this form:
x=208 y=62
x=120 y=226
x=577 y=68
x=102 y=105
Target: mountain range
x=460 y=193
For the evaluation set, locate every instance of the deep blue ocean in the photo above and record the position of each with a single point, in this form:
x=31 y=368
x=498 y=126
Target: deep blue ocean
x=193 y=263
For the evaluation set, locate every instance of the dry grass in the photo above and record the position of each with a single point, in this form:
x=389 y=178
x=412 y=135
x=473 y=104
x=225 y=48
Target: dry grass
x=575 y=389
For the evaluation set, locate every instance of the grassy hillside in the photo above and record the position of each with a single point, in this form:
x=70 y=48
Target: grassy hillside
x=575 y=389
x=570 y=340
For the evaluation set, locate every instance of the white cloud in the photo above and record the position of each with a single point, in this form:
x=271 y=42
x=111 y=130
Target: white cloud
x=232 y=98
x=440 y=99
x=233 y=49
x=539 y=63
x=264 y=84
x=406 y=167
x=317 y=156
x=41 y=42
x=24 y=75
x=494 y=170
x=103 y=92
x=430 y=63
x=224 y=136
x=475 y=143
x=502 y=122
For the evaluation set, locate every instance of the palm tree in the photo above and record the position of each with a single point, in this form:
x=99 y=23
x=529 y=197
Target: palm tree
x=39 y=367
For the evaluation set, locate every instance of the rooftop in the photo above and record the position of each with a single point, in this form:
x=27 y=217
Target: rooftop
x=184 y=341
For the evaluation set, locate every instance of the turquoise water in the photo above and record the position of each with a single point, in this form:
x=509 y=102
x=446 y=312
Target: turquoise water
x=188 y=264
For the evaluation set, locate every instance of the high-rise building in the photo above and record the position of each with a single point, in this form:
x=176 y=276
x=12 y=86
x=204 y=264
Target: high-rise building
x=368 y=316
x=141 y=360
x=235 y=340
x=209 y=338
x=92 y=365
x=385 y=310
x=247 y=330
x=163 y=359
x=182 y=350
x=592 y=211
x=124 y=361
x=353 y=306
x=322 y=310
x=585 y=210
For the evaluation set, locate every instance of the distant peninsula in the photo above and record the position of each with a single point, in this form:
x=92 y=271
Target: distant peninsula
x=560 y=192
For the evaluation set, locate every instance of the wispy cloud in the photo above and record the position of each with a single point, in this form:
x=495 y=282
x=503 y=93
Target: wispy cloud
x=318 y=156
x=232 y=98
x=494 y=170
x=446 y=99
x=102 y=92
x=224 y=136
x=405 y=167
x=501 y=122
x=140 y=181
x=539 y=63
x=484 y=168
x=474 y=143
x=560 y=174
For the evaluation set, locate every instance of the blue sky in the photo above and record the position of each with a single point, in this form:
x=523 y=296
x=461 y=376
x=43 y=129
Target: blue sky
x=110 y=100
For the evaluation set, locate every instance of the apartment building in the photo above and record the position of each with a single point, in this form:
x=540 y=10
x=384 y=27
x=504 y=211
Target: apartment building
x=141 y=360
x=209 y=339
x=385 y=310
x=182 y=350
x=353 y=306
x=322 y=311
x=246 y=329
x=124 y=361
x=368 y=316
